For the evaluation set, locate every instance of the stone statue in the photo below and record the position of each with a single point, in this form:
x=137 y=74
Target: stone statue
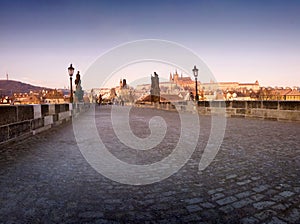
x=78 y=91
x=155 y=90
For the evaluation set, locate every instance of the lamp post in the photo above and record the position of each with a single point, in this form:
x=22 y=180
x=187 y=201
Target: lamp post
x=195 y=71
x=71 y=72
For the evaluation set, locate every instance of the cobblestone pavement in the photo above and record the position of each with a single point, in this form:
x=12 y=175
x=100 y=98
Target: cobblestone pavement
x=254 y=178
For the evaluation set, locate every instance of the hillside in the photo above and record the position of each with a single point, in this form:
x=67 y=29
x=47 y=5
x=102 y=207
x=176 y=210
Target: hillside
x=8 y=87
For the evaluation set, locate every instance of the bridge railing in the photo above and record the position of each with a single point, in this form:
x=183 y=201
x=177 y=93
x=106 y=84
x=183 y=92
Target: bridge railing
x=18 y=121
x=272 y=110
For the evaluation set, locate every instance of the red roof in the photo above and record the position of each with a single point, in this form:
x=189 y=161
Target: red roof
x=294 y=92
x=170 y=98
x=185 y=79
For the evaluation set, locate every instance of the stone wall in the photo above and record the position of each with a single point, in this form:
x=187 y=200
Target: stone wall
x=271 y=110
x=19 y=121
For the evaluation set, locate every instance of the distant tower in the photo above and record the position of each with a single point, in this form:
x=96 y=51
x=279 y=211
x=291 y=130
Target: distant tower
x=176 y=77
x=7 y=76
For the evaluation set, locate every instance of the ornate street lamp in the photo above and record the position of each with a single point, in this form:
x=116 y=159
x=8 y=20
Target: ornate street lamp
x=71 y=72
x=195 y=71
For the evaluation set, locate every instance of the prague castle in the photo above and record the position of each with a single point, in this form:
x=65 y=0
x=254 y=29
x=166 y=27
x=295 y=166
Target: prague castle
x=188 y=83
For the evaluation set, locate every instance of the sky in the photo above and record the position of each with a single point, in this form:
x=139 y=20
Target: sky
x=240 y=41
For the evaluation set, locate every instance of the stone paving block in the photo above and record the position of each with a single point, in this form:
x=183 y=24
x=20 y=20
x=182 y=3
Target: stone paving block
x=103 y=221
x=243 y=182
x=210 y=214
x=226 y=200
x=207 y=205
x=231 y=176
x=249 y=220
x=283 y=186
x=213 y=191
x=260 y=188
x=113 y=201
x=286 y=194
x=292 y=216
x=159 y=207
x=193 y=208
x=242 y=203
x=270 y=192
x=257 y=197
x=275 y=220
x=142 y=216
x=176 y=212
x=191 y=218
x=165 y=199
x=241 y=178
x=265 y=214
x=91 y=214
x=255 y=178
x=226 y=209
x=243 y=194
x=217 y=196
x=194 y=200
x=277 y=198
x=280 y=206
x=168 y=193
x=297 y=189
x=263 y=204
x=234 y=191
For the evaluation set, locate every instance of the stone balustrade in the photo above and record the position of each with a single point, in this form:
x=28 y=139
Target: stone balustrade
x=19 y=121
x=271 y=110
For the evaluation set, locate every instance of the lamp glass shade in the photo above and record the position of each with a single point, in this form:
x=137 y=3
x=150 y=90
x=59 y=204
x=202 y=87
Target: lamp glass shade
x=71 y=70
x=195 y=71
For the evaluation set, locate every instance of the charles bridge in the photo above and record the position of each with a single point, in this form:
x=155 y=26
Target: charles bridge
x=254 y=177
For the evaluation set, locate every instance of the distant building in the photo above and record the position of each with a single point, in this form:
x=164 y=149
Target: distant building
x=293 y=95
x=278 y=94
x=180 y=88
x=229 y=86
x=185 y=82
x=27 y=98
x=54 y=97
x=212 y=89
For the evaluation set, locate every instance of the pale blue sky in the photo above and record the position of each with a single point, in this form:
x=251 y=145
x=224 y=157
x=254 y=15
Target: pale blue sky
x=239 y=41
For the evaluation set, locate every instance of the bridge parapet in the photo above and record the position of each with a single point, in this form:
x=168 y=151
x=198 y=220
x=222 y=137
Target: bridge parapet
x=271 y=110
x=19 y=121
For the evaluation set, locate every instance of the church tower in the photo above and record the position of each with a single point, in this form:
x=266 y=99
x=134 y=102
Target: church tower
x=176 y=77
